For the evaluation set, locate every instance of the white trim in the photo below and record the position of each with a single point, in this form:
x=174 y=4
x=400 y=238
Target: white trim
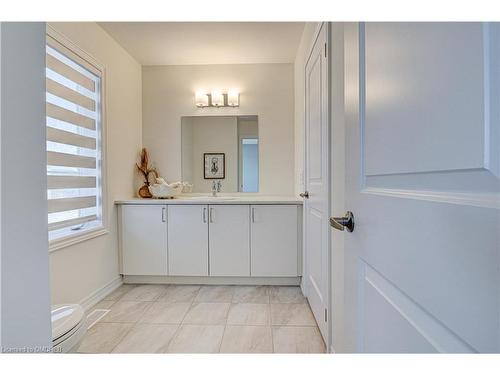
x=321 y=27
x=93 y=298
x=317 y=31
x=104 y=229
x=478 y=200
x=70 y=240
x=103 y=312
x=211 y=280
x=73 y=47
x=1 y=126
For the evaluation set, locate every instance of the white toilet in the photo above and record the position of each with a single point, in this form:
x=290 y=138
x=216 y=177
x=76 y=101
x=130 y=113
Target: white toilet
x=69 y=325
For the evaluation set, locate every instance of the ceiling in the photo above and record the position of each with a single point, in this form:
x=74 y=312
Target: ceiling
x=185 y=43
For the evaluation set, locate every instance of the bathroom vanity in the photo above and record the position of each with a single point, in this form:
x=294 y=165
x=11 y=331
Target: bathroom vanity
x=204 y=240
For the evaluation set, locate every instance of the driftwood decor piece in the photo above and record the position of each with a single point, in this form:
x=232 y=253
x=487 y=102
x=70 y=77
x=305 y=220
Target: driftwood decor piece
x=146 y=170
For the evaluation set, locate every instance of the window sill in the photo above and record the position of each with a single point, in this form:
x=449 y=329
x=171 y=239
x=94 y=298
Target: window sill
x=77 y=238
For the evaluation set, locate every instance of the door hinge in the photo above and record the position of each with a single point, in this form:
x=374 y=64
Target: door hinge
x=325 y=49
x=326 y=315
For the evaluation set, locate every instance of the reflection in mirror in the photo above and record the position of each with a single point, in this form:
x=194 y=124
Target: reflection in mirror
x=221 y=148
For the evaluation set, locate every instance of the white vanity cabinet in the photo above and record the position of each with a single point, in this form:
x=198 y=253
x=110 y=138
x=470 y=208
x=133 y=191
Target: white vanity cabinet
x=188 y=240
x=274 y=240
x=143 y=239
x=229 y=240
x=191 y=242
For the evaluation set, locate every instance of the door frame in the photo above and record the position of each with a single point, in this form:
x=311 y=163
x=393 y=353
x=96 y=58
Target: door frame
x=303 y=285
x=337 y=182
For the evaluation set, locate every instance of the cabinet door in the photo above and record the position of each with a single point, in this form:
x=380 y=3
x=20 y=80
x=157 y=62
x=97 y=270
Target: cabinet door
x=229 y=239
x=274 y=233
x=144 y=239
x=188 y=240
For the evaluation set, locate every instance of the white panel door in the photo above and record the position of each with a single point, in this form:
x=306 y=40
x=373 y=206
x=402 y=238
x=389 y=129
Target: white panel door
x=422 y=265
x=188 y=240
x=229 y=240
x=274 y=240
x=144 y=239
x=316 y=172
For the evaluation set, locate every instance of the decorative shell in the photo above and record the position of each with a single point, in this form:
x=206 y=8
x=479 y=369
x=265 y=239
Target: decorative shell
x=165 y=191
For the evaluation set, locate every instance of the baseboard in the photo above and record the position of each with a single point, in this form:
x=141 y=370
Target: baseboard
x=96 y=296
x=211 y=280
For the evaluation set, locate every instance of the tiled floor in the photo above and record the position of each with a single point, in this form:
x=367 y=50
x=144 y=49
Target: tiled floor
x=204 y=319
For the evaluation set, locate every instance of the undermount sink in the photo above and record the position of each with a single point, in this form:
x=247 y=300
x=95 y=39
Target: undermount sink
x=210 y=197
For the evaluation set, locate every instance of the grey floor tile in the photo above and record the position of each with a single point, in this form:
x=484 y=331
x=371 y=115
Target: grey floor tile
x=247 y=339
x=126 y=312
x=166 y=313
x=249 y=314
x=207 y=313
x=197 y=339
x=286 y=294
x=297 y=340
x=215 y=293
x=251 y=294
x=103 y=337
x=179 y=293
x=144 y=293
x=294 y=314
x=119 y=292
x=147 y=338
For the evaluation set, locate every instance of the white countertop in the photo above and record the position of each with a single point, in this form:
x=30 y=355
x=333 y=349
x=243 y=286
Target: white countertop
x=220 y=199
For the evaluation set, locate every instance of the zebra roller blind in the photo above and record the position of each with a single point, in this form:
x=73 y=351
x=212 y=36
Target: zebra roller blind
x=74 y=138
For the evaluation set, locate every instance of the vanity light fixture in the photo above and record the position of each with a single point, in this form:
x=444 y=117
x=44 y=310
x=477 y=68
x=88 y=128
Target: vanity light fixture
x=201 y=99
x=217 y=98
x=233 y=98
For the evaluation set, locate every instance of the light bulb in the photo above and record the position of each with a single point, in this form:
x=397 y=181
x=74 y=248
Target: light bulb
x=201 y=99
x=217 y=99
x=233 y=98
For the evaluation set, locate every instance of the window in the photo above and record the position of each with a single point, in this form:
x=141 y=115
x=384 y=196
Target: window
x=74 y=143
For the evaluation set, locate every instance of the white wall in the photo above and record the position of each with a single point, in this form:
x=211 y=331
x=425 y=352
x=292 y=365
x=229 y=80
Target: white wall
x=266 y=91
x=25 y=296
x=299 y=78
x=78 y=271
x=187 y=148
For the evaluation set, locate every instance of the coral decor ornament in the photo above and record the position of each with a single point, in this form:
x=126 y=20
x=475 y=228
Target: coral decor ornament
x=145 y=170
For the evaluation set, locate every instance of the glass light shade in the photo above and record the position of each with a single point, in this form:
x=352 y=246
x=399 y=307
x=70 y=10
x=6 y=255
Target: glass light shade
x=233 y=98
x=201 y=99
x=217 y=99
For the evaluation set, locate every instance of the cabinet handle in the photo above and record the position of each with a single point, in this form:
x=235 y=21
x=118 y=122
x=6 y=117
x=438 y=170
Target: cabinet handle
x=211 y=215
x=253 y=214
x=204 y=214
x=163 y=212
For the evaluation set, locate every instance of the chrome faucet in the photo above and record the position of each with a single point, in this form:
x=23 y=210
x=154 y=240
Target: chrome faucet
x=216 y=186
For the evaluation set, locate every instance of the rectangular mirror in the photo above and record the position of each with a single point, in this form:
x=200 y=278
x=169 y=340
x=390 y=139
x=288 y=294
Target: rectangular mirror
x=221 y=148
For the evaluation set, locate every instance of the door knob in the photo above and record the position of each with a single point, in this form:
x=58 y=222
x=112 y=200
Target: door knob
x=344 y=222
x=305 y=194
